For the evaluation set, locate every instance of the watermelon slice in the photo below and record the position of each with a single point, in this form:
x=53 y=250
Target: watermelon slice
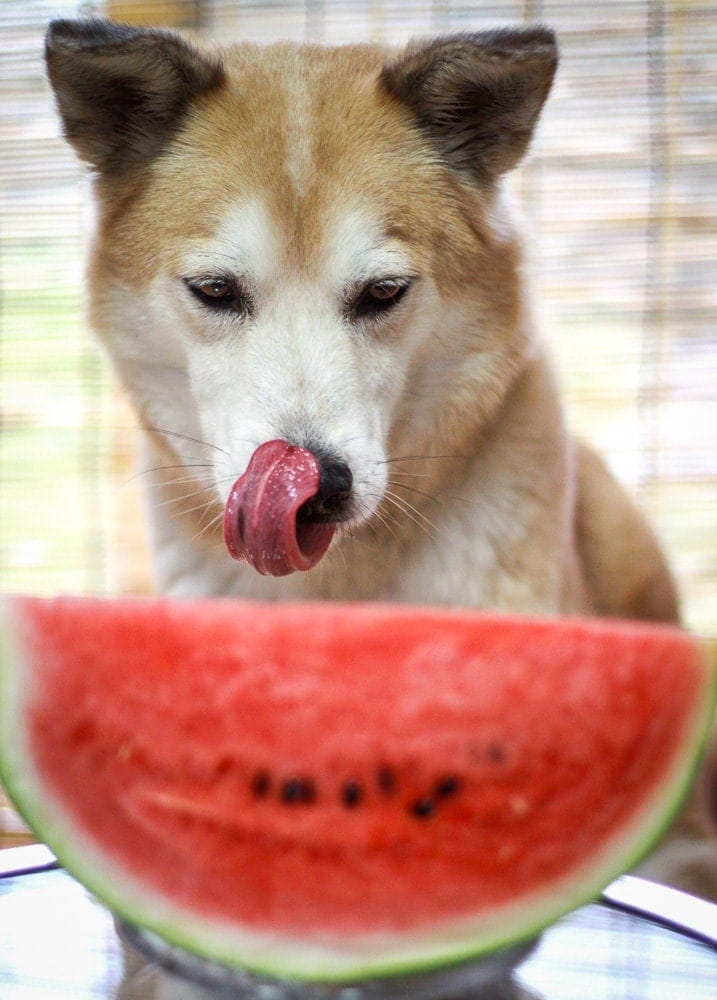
x=336 y=792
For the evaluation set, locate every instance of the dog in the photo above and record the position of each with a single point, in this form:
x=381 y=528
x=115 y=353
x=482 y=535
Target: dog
x=313 y=246
x=310 y=279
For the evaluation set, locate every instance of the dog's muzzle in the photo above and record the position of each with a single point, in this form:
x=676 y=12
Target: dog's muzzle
x=282 y=511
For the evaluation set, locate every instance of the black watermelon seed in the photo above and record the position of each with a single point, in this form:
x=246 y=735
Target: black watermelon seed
x=298 y=790
x=351 y=794
x=386 y=780
x=423 y=808
x=223 y=767
x=496 y=753
x=83 y=732
x=447 y=785
x=261 y=784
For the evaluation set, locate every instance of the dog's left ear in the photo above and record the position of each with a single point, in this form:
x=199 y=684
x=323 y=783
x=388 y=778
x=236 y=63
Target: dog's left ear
x=477 y=96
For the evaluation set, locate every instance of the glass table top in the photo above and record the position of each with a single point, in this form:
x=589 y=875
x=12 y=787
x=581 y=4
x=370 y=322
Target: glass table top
x=57 y=942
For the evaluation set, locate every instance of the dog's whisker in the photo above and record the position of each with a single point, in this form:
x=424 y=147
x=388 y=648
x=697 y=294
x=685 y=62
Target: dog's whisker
x=389 y=522
x=371 y=528
x=208 y=527
x=168 y=468
x=397 y=499
x=433 y=497
x=411 y=475
x=385 y=517
x=217 y=519
x=426 y=529
x=414 y=489
x=418 y=458
x=205 y=508
x=184 y=496
x=203 y=523
x=344 y=560
x=412 y=513
x=187 y=437
x=175 y=481
x=206 y=504
x=229 y=478
x=182 y=486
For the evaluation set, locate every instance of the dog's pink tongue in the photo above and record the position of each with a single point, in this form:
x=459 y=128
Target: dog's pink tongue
x=261 y=523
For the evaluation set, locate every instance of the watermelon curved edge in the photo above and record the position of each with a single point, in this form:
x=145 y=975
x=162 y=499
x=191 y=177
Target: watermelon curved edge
x=283 y=958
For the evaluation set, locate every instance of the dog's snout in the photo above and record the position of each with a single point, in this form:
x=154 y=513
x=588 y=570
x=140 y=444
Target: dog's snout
x=333 y=497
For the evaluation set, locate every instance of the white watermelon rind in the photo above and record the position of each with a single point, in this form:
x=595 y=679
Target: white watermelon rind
x=285 y=957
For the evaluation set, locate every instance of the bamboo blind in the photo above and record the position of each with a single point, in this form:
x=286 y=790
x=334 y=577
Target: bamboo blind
x=621 y=199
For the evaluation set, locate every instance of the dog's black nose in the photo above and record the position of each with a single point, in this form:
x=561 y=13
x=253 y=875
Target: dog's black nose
x=335 y=484
x=333 y=497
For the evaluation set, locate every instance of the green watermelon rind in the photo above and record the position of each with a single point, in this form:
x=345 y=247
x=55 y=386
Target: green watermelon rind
x=282 y=957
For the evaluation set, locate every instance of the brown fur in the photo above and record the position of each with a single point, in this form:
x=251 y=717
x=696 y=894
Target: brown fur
x=631 y=580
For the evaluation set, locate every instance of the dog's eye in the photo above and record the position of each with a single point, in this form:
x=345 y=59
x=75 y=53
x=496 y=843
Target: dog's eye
x=218 y=293
x=379 y=296
x=213 y=288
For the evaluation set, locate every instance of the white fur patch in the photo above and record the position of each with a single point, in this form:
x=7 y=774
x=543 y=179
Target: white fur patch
x=357 y=249
x=501 y=213
x=246 y=243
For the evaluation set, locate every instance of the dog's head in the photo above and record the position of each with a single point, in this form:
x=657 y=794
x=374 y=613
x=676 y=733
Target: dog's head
x=302 y=257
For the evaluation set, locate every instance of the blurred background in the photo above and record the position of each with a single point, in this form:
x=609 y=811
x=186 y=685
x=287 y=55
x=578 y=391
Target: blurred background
x=620 y=197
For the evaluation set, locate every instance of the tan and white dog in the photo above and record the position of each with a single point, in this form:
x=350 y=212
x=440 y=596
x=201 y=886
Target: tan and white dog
x=310 y=282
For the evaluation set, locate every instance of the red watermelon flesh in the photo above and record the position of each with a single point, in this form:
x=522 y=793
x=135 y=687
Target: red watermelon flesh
x=327 y=791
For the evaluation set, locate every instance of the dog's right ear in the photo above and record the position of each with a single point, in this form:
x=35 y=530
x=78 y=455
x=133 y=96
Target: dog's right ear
x=122 y=91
